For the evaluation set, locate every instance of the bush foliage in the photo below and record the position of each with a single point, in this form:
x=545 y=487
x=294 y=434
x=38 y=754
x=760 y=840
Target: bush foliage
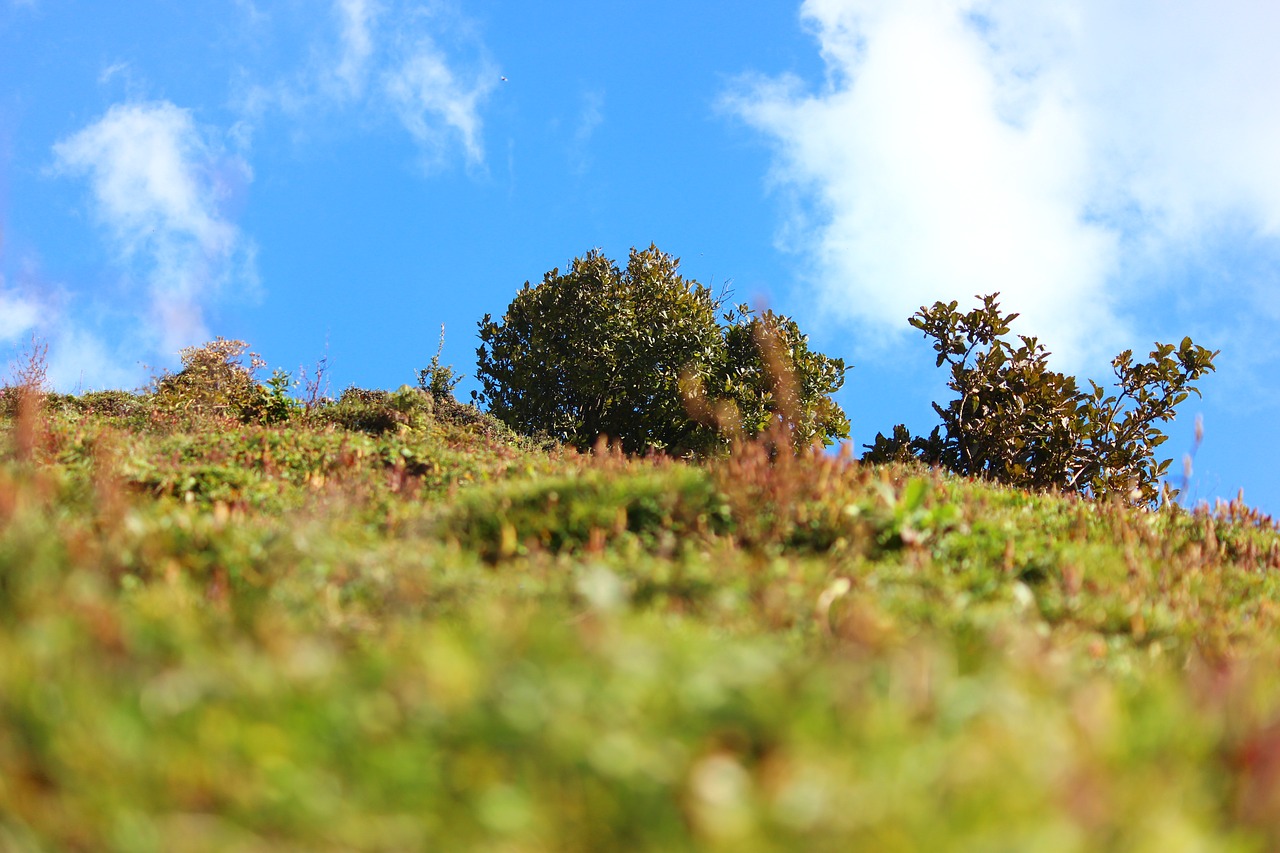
x=214 y=380
x=640 y=355
x=1016 y=421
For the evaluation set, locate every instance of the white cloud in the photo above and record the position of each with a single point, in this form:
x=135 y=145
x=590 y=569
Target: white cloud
x=591 y=117
x=1048 y=151
x=158 y=187
x=80 y=360
x=19 y=315
x=357 y=18
x=254 y=16
x=422 y=64
x=80 y=357
x=112 y=70
x=438 y=106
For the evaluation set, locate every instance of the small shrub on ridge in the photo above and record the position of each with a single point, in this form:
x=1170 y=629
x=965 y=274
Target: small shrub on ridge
x=1015 y=421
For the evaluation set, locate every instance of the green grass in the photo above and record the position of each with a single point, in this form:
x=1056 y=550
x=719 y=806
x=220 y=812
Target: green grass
x=224 y=637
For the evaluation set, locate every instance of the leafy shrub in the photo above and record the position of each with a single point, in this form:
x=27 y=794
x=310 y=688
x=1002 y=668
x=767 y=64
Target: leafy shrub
x=361 y=410
x=1016 y=421
x=272 y=403
x=438 y=378
x=376 y=412
x=121 y=408
x=13 y=398
x=215 y=381
x=414 y=405
x=112 y=404
x=770 y=377
x=638 y=355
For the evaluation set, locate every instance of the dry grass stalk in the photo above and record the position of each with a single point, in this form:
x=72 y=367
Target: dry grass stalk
x=24 y=394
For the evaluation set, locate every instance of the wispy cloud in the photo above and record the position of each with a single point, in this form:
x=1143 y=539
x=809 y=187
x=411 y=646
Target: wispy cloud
x=356 y=21
x=591 y=117
x=112 y=70
x=79 y=355
x=80 y=359
x=19 y=315
x=437 y=105
x=422 y=65
x=158 y=185
x=1051 y=152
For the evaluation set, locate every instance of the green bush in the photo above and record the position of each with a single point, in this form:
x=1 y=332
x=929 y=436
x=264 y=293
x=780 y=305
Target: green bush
x=272 y=403
x=769 y=372
x=360 y=410
x=215 y=381
x=640 y=356
x=111 y=404
x=1015 y=421
x=414 y=405
x=439 y=379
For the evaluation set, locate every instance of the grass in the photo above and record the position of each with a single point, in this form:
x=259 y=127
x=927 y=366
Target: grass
x=430 y=634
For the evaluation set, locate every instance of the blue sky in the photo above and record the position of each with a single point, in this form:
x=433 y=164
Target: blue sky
x=343 y=176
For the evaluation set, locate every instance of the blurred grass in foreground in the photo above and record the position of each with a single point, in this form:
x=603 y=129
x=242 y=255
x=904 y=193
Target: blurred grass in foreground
x=225 y=637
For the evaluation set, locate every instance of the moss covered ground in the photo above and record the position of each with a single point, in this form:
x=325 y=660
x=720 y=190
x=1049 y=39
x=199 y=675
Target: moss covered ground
x=435 y=636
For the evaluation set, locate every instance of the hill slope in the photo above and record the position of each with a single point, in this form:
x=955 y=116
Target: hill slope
x=432 y=635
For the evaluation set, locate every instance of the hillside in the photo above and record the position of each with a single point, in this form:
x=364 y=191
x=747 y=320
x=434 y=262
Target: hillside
x=392 y=625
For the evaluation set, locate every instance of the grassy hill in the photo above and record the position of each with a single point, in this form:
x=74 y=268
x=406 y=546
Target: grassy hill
x=390 y=625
